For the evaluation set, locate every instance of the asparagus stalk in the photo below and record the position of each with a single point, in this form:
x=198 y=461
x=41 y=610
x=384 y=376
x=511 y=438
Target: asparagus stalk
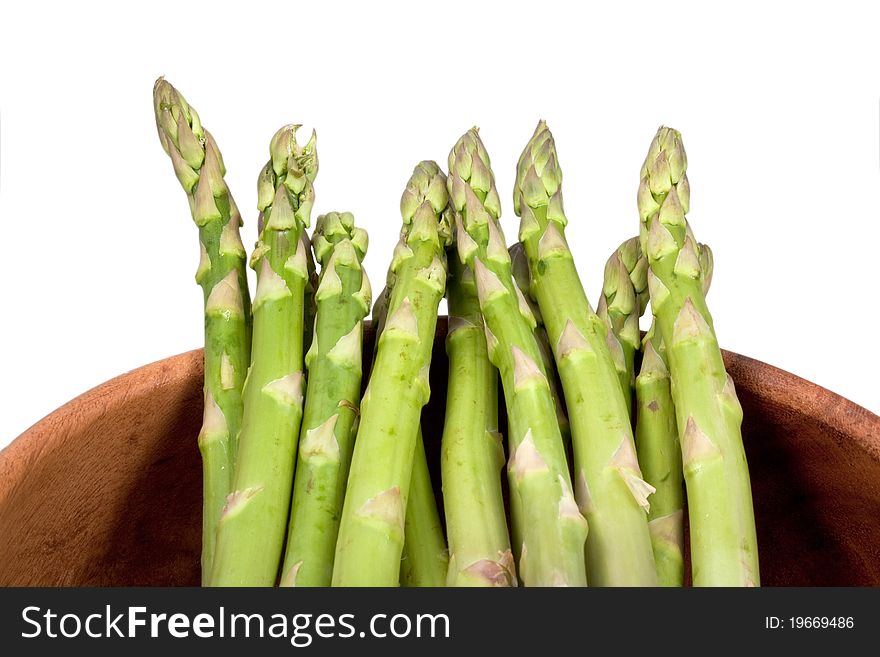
x=371 y=532
x=425 y=558
x=424 y=546
x=708 y=414
x=519 y=263
x=659 y=450
x=252 y=526
x=221 y=274
x=610 y=490
x=623 y=300
x=546 y=517
x=657 y=440
x=331 y=407
x=660 y=458
x=621 y=304
x=471 y=452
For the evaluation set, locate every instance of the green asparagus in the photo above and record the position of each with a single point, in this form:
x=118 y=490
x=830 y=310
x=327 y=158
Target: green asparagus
x=659 y=448
x=425 y=557
x=610 y=490
x=545 y=515
x=722 y=525
x=221 y=274
x=660 y=458
x=621 y=304
x=371 y=532
x=471 y=455
x=519 y=263
x=252 y=525
x=331 y=407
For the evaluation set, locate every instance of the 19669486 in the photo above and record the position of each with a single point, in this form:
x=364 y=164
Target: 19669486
x=809 y=622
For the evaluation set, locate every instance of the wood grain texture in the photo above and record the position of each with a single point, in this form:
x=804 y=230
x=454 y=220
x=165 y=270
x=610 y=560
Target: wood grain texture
x=107 y=489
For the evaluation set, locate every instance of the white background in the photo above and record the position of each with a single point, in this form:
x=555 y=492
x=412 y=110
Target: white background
x=778 y=104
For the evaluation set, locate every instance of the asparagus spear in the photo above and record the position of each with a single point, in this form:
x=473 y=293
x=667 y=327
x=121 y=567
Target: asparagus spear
x=621 y=304
x=331 y=407
x=471 y=452
x=723 y=541
x=371 y=532
x=611 y=492
x=519 y=263
x=221 y=274
x=623 y=300
x=659 y=449
x=553 y=531
x=252 y=526
x=659 y=454
x=425 y=558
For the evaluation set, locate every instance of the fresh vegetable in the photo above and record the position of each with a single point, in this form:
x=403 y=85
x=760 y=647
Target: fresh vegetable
x=221 y=274
x=621 y=304
x=599 y=456
x=611 y=492
x=472 y=455
x=331 y=407
x=545 y=517
x=251 y=531
x=723 y=543
x=371 y=532
x=425 y=557
x=519 y=263
x=660 y=458
x=659 y=448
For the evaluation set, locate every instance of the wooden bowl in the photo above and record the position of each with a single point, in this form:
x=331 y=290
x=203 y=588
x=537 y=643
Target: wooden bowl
x=107 y=489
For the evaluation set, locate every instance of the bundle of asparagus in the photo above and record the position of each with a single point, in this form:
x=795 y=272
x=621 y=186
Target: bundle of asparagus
x=610 y=436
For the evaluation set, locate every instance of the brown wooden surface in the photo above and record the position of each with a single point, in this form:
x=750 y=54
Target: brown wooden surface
x=107 y=489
